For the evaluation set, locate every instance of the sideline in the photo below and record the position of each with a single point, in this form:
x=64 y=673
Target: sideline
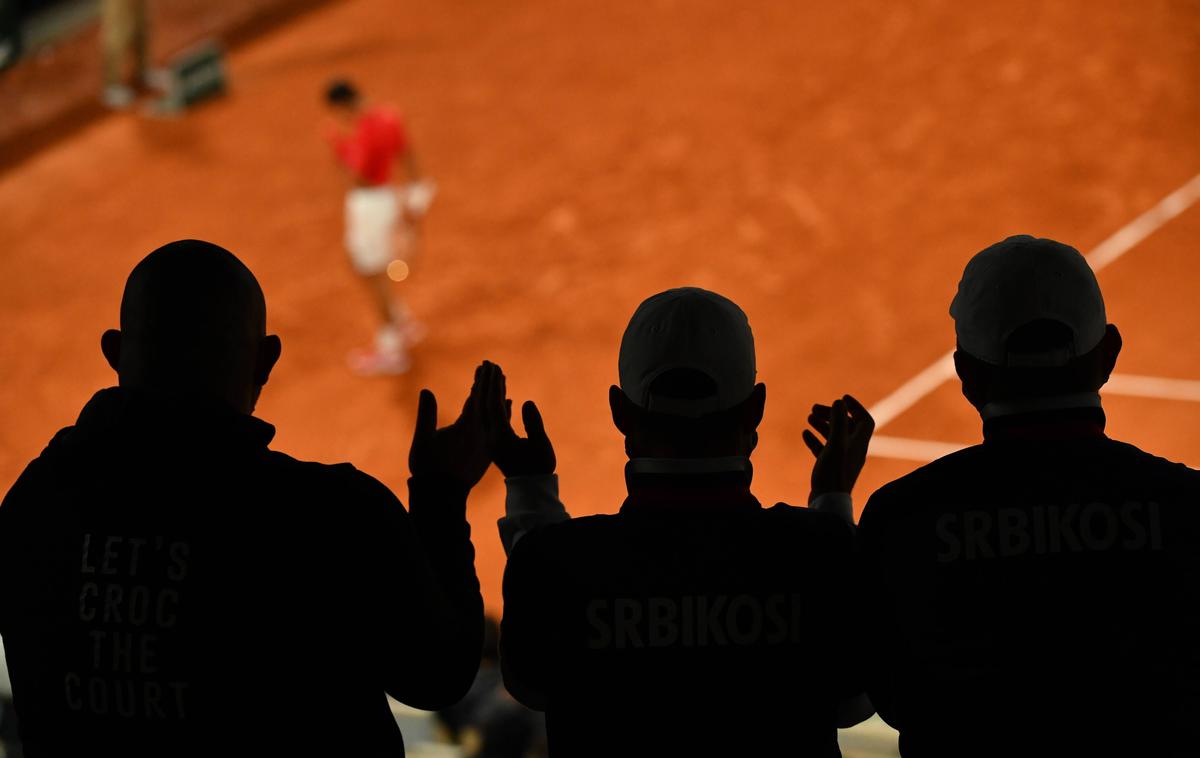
x=1120 y=242
x=1127 y=385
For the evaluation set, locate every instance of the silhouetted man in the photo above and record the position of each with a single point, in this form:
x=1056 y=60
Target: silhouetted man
x=694 y=621
x=1036 y=594
x=171 y=586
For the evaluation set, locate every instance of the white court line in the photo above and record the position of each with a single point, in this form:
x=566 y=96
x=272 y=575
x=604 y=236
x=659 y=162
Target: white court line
x=1122 y=241
x=1128 y=236
x=906 y=449
x=1132 y=385
x=1152 y=386
x=911 y=392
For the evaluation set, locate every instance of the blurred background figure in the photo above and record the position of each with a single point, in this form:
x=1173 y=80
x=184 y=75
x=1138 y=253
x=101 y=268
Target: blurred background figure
x=125 y=38
x=10 y=33
x=381 y=222
x=488 y=722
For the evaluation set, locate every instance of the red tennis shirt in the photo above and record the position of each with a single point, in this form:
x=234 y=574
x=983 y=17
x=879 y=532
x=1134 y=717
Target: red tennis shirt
x=372 y=147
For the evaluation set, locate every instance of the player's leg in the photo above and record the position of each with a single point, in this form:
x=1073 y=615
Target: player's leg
x=385 y=304
x=369 y=218
x=370 y=214
x=405 y=239
x=391 y=310
x=408 y=239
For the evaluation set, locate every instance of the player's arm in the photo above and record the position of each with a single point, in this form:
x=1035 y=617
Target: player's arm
x=347 y=150
x=408 y=162
x=416 y=194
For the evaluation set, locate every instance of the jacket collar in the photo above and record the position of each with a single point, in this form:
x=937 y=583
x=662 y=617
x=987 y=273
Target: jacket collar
x=688 y=484
x=165 y=419
x=1040 y=405
x=1046 y=425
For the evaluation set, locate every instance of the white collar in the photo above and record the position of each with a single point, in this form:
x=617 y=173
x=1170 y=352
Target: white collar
x=732 y=463
x=1039 y=404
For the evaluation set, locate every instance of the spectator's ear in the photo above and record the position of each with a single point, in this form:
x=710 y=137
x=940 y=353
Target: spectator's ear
x=1110 y=348
x=975 y=384
x=622 y=414
x=269 y=348
x=110 y=345
x=754 y=407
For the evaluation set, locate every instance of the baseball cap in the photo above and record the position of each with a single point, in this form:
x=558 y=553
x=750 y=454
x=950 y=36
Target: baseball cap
x=687 y=328
x=1021 y=280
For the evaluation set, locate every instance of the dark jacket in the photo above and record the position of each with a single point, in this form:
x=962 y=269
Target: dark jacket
x=1037 y=595
x=694 y=622
x=169 y=585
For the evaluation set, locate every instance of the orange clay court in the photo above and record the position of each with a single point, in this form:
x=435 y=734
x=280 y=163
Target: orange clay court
x=830 y=166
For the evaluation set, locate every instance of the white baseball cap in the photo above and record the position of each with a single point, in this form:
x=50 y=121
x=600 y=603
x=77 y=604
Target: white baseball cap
x=688 y=328
x=1020 y=280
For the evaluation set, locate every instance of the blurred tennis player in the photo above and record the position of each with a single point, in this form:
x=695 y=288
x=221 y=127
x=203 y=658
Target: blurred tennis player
x=382 y=220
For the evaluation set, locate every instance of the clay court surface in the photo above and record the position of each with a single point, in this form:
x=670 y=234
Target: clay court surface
x=830 y=166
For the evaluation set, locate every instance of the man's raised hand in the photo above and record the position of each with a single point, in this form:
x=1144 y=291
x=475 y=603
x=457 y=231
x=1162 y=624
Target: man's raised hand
x=459 y=450
x=846 y=428
x=531 y=455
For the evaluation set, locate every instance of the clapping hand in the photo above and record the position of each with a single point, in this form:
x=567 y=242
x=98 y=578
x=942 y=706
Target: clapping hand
x=459 y=450
x=846 y=428
x=514 y=455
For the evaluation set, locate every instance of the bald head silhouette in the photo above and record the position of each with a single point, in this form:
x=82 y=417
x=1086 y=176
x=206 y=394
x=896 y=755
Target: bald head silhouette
x=193 y=321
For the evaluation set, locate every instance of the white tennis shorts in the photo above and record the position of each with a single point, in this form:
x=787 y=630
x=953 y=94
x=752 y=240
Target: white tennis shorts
x=371 y=217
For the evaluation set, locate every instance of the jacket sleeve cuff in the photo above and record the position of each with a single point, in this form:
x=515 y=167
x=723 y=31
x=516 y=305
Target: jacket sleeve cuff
x=530 y=502
x=839 y=504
